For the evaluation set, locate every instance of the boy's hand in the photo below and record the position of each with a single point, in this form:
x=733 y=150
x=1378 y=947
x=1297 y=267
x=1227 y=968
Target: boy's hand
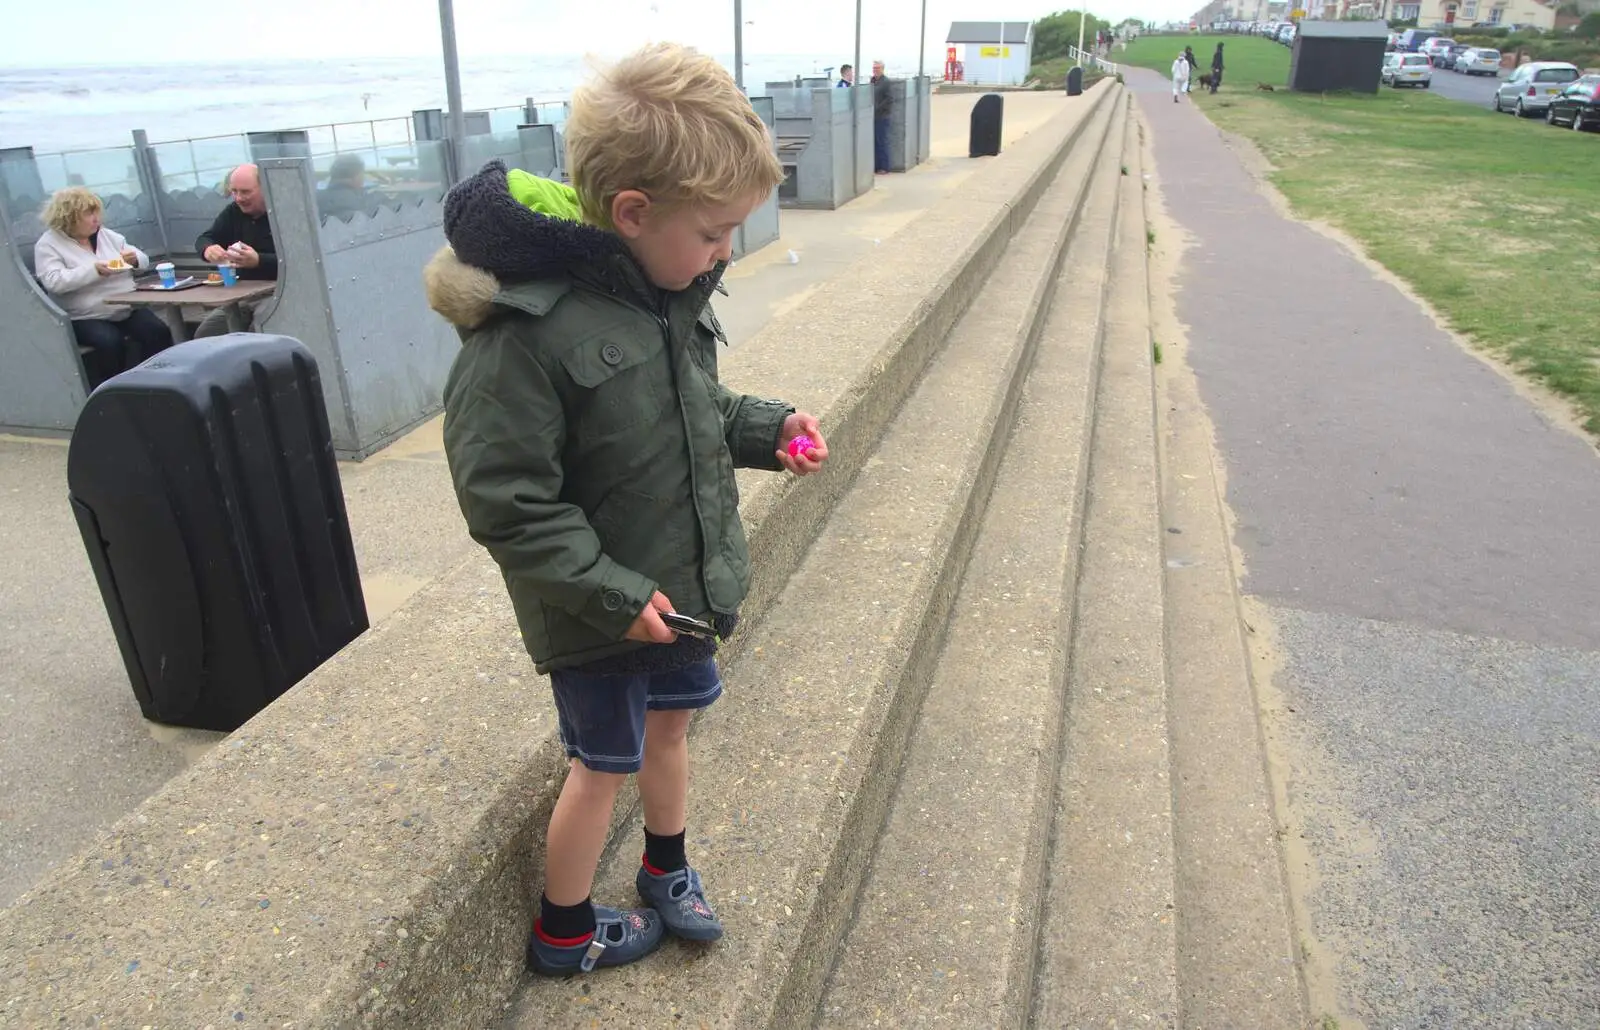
x=802 y=424
x=648 y=627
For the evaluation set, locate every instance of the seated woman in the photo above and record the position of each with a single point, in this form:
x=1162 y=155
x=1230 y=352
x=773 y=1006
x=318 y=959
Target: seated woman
x=80 y=263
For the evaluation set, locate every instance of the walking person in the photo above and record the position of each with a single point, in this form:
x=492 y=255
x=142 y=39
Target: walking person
x=1180 y=77
x=1216 y=68
x=1194 y=67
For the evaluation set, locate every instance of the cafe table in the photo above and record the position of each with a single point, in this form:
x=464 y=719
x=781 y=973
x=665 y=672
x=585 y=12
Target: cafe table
x=169 y=304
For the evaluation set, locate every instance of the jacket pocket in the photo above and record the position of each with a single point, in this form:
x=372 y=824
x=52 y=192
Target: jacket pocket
x=647 y=534
x=622 y=384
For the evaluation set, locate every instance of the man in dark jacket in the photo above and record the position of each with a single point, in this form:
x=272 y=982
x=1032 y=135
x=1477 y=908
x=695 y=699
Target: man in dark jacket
x=241 y=236
x=1194 y=67
x=881 y=104
x=1216 y=68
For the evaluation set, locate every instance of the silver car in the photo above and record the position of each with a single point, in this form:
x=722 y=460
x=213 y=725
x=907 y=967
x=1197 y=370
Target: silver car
x=1529 y=89
x=1479 y=61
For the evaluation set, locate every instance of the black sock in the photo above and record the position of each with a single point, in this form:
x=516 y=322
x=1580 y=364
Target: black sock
x=664 y=854
x=565 y=922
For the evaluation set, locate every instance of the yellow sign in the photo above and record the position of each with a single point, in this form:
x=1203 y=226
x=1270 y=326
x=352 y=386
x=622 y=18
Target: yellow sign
x=994 y=51
x=1297 y=14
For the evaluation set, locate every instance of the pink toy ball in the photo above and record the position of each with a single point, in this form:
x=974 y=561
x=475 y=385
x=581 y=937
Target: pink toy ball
x=801 y=445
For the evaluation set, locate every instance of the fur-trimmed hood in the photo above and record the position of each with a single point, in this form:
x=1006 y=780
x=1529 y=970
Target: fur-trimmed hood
x=507 y=227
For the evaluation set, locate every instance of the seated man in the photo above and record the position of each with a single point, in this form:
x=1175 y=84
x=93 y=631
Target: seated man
x=241 y=236
x=346 y=191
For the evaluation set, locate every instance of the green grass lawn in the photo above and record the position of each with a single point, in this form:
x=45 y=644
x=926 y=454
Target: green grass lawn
x=1494 y=220
x=1247 y=60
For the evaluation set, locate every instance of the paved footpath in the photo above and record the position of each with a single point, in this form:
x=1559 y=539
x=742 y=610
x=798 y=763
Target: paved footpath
x=1425 y=546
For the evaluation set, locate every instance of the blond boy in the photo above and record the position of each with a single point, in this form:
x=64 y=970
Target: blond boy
x=592 y=449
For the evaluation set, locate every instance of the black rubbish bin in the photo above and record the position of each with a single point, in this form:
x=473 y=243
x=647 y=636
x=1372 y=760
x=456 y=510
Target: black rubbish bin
x=205 y=487
x=985 y=135
x=1075 y=82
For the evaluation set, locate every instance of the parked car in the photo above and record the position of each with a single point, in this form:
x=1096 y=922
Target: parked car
x=1479 y=61
x=1286 y=37
x=1450 y=56
x=1391 y=61
x=1411 y=70
x=1394 y=41
x=1578 y=105
x=1411 y=40
x=1527 y=91
x=1436 y=48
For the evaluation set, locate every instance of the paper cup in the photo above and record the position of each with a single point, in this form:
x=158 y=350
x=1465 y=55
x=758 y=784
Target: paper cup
x=168 y=274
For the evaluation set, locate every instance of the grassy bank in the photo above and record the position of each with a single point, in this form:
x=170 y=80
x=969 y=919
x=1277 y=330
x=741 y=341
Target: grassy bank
x=1495 y=221
x=1247 y=60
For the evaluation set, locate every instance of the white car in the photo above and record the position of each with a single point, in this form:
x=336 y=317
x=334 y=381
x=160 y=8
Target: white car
x=1410 y=70
x=1479 y=61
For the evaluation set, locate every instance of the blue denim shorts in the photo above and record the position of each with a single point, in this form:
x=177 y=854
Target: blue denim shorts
x=602 y=716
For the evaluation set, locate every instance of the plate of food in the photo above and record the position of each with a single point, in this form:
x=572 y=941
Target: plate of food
x=117 y=265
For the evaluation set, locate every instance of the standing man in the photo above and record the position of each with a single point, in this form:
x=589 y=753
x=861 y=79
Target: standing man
x=881 y=103
x=241 y=236
x=1216 y=68
x=847 y=77
x=1194 y=67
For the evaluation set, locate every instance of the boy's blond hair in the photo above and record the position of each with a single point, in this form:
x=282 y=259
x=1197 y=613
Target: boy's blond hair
x=670 y=122
x=67 y=206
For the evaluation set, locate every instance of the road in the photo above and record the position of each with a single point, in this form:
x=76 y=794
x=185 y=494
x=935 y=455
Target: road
x=1473 y=89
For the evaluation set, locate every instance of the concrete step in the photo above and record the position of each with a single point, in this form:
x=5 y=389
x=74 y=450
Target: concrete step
x=946 y=927
x=1107 y=954
x=795 y=767
x=1237 y=956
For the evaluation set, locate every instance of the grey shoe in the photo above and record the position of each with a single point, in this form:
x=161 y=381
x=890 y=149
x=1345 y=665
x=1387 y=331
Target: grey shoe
x=619 y=938
x=682 y=903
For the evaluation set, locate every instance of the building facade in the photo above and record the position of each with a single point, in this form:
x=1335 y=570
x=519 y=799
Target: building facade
x=993 y=53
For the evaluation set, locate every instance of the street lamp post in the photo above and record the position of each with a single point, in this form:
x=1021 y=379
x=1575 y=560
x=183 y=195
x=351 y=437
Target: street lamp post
x=738 y=43
x=922 y=42
x=455 y=118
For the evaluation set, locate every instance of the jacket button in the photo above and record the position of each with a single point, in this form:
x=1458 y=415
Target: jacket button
x=612 y=599
x=611 y=354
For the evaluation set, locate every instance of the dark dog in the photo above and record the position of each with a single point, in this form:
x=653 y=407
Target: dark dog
x=1204 y=82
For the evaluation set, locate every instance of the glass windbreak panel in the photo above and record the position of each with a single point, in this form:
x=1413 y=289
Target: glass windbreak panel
x=477 y=151
x=552 y=113
x=109 y=172
x=366 y=179
x=764 y=109
x=505 y=119
x=789 y=102
x=205 y=162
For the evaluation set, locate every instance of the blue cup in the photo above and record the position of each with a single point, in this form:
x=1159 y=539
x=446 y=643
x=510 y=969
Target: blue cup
x=169 y=275
x=229 y=274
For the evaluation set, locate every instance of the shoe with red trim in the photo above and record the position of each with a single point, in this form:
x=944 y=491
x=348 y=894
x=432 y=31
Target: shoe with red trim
x=681 y=901
x=619 y=937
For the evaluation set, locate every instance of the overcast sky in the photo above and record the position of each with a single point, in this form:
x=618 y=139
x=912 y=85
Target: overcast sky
x=40 y=34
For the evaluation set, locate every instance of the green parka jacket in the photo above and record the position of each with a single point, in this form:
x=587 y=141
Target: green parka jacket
x=591 y=445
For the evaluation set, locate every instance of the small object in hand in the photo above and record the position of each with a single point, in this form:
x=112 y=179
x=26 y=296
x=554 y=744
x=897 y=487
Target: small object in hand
x=802 y=444
x=169 y=275
x=687 y=626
